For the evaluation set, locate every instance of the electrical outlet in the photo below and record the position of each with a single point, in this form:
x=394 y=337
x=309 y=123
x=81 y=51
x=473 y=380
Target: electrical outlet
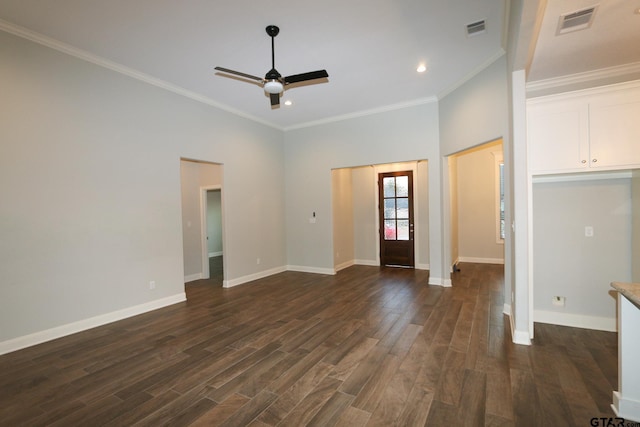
x=257 y=260
x=558 y=301
x=152 y=285
x=588 y=231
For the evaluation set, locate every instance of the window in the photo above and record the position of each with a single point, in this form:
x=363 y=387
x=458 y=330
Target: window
x=396 y=207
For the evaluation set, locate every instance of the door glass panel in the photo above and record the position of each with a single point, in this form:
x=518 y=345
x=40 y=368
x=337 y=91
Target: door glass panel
x=389 y=208
x=403 y=208
x=389 y=184
x=403 y=230
x=390 y=230
x=402 y=186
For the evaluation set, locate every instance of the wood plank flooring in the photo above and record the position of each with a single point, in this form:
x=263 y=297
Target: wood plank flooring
x=366 y=347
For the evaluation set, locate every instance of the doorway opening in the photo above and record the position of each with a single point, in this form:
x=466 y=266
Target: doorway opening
x=357 y=223
x=202 y=221
x=476 y=197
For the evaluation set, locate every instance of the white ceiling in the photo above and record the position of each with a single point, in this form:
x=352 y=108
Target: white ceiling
x=612 y=40
x=369 y=48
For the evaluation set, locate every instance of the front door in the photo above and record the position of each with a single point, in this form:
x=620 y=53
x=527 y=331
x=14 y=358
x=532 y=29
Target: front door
x=396 y=218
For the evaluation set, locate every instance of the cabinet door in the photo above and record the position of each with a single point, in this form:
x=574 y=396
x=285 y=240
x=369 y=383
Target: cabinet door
x=615 y=130
x=557 y=133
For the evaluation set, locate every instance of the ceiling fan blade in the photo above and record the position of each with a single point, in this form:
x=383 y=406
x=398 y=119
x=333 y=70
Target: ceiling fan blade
x=238 y=73
x=275 y=99
x=306 y=76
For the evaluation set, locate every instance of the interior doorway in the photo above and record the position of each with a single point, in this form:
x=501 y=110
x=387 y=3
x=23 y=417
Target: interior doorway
x=476 y=199
x=356 y=214
x=197 y=179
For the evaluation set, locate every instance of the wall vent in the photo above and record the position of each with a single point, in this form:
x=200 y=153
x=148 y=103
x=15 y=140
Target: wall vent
x=476 y=28
x=575 y=21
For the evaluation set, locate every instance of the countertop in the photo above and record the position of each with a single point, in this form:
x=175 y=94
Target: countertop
x=629 y=290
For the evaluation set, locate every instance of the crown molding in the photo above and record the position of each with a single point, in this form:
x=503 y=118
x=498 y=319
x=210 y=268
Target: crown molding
x=587 y=76
x=119 y=68
x=384 y=109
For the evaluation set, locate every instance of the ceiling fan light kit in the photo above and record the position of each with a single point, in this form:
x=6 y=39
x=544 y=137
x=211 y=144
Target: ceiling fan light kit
x=273 y=86
x=273 y=83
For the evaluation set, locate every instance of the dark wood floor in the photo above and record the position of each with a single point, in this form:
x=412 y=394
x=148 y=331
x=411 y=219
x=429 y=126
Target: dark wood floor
x=368 y=346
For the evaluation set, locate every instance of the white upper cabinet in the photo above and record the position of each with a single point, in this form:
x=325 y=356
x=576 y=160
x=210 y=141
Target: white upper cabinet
x=594 y=129
x=614 y=129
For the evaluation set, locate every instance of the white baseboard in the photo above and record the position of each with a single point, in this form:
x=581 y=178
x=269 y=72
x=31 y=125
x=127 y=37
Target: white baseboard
x=251 y=277
x=422 y=266
x=439 y=281
x=82 y=325
x=215 y=254
x=344 y=265
x=192 y=277
x=506 y=309
x=576 y=320
x=521 y=337
x=626 y=408
x=371 y=262
x=315 y=270
x=481 y=260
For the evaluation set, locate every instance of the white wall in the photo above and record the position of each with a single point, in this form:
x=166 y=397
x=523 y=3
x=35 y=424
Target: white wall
x=476 y=112
x=567 y=263
x=365 y=211
x=343 y=219
x=394 y=136
x=477 y=203
x=90 y=184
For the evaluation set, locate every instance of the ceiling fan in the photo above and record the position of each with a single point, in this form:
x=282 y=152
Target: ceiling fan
x=273 y=82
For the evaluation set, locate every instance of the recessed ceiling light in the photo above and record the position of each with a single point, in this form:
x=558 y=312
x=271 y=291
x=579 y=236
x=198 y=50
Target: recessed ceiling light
x=421 y=68
x=288 y=102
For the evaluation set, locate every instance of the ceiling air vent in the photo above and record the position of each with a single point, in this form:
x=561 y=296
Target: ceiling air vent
x=575 y=21
x=476 y=28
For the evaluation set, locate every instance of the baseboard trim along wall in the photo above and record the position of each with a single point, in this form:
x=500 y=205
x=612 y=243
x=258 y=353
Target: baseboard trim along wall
x=370 y=262
x=521 y=337
x=506 y=309
x=481 y=260
x=215 y=254
x=439 y=281
x=251 y=277
x=344 y=265
x=315 y=270
x=92 y=322
x=576 y=320
x=192 y=277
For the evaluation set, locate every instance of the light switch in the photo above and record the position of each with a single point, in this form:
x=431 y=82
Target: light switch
x=588 y=231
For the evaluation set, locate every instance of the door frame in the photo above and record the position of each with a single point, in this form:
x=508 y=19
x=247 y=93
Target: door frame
x=409 y=243
x=399 y=167
x=206 y=274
